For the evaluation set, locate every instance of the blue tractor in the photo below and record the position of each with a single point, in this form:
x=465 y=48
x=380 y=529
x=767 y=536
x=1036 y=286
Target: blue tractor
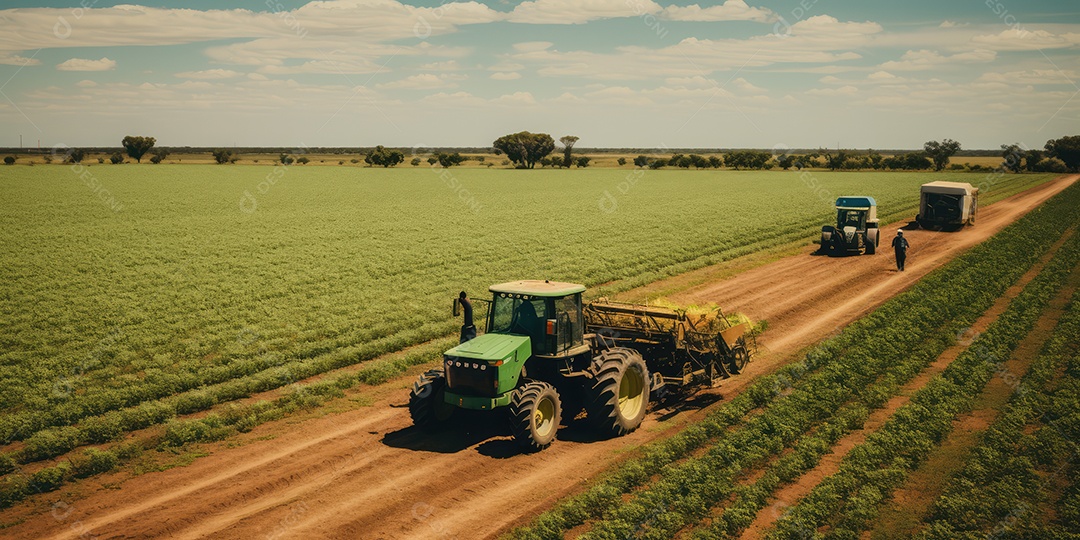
x=856 y=229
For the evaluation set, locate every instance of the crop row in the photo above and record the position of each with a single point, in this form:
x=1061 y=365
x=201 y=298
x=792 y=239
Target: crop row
x=15 y=486
x=848 y=500
x=920 y=322
x=1030 y=447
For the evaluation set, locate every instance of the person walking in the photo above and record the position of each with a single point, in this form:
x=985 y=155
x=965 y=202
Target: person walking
x=900 y=245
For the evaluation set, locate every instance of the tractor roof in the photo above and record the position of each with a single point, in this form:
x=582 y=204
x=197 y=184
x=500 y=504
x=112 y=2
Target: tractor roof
x=536 y=287
x=960 y=188
x=856 y=202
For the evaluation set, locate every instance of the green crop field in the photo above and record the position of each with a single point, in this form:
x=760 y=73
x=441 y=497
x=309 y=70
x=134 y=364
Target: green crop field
x=132 y=294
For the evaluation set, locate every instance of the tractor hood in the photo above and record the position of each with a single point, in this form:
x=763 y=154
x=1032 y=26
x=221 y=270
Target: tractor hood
x=494 y=347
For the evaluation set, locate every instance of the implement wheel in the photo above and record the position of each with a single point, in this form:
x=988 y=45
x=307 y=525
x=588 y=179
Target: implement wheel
x=738 y=360
x=619 y=396
x=535 y=412
x=427 y=407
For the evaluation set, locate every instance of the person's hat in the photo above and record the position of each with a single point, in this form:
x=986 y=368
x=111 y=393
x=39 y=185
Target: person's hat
x=899 y=232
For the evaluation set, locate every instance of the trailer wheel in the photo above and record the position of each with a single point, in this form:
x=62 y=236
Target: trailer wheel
x=619 y=396
x=427 y=407
x=739 y=358
x=534 y=415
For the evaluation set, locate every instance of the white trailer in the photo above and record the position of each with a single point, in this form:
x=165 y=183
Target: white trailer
x=947 y=205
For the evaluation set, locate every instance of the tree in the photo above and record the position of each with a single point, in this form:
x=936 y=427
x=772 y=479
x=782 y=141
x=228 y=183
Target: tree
x=583 y=161
x=748 y=159
x=641 y=161
x=621 y=161
x=137 y=146
x=568 y=144
x=545 y=162
x=835 y=162
x=1051 y=165
x=9 y=160
x=449 y=160
x=1067 y=149
x=384 y=157
x=75 y=155
x=525 y=148
x=940 y=152
x=303 y=160
x=415 y=161
x=222 y=156
x=286 y=159
x=785 y=161
x=1031 y=159
x=117 y=158
x=715 y=162
x=554 y=161
x=158 y=156
x=432 y=160
x=1012 y=154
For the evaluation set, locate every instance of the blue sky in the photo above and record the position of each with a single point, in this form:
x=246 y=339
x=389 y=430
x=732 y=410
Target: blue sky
x=617 y=73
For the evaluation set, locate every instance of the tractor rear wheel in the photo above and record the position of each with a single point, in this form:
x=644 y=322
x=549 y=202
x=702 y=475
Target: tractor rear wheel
x=427 y=407
x=619 y=396
x=534 y=415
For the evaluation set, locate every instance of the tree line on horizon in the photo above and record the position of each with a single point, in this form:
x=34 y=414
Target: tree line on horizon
x=525 y=150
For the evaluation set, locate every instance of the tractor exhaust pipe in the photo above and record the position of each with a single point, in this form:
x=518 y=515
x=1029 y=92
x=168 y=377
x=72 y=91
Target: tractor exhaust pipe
x=468 y=330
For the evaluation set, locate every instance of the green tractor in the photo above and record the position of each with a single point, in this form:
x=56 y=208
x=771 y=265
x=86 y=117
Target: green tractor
x=545 y=357
x=856 y=229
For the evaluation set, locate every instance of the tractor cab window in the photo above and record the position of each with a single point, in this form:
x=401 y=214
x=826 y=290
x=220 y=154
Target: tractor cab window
x=518 y=316
x=851 y=218
x=569 y=323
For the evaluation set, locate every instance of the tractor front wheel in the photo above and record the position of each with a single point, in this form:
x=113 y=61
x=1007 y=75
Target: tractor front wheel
x=427 y=405
x=619 y=394
x=535 y=411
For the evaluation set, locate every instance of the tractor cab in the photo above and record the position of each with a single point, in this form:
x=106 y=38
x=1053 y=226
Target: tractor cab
x=548 y=313
x=526 y=320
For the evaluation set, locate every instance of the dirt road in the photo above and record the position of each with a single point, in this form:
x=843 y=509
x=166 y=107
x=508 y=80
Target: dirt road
x=366 y=473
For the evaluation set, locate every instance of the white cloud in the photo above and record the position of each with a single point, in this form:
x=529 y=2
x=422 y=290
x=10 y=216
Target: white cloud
x=746 y=87
x=882 y=76
x=731 y=10
x=1019 y=39
x=16 y=60
x=532 y=46
x=423 y=81
x=352 y=21
x=578 y=11
x=817 y=40
x=926 y=59
x=209 y=74
x=82 y=64
x=1036 y=76
x=449 y=65
x=517 y=98
x=505 y=75
x=842 y=91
